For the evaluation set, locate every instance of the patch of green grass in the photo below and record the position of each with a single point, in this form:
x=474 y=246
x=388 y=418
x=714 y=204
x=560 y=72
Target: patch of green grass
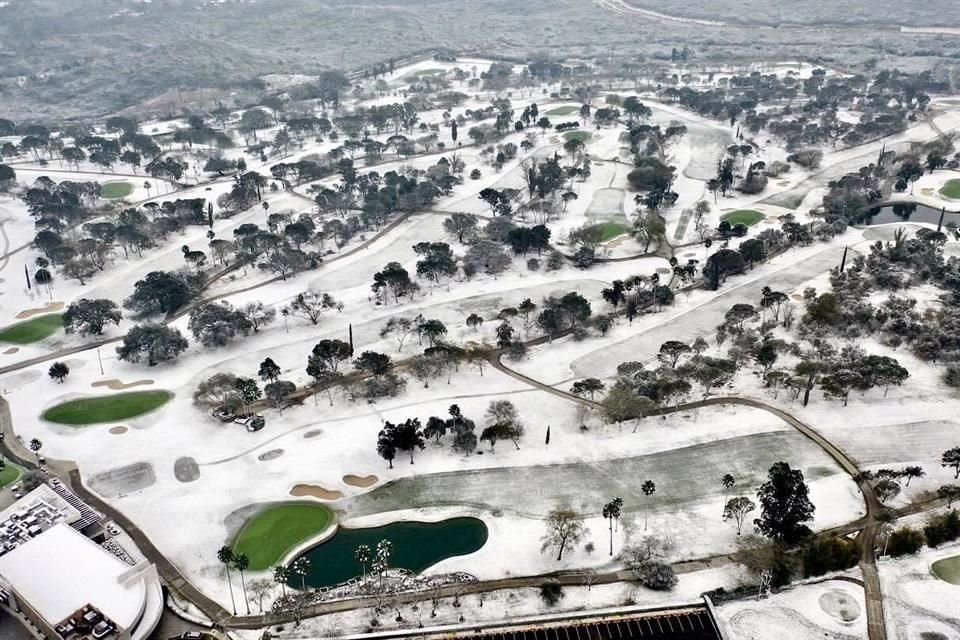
x=563 y=111
x=948 y=569
x=32 y=330
x=612 y=230
x=743 y=216
x=268 y=536
x=119 y=406
x=10 y=474
x=951 y=189
x=115 y=190
x=580 y=135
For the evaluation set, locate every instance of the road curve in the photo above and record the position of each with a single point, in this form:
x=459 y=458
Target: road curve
x=871 y=582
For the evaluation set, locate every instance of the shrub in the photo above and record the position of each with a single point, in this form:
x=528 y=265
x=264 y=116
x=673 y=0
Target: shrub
x=904 y=541
x=533 y=264
x=554 y=261
x=387 y=386
x=475 y=174
x=776 y=168
x=808 y=158
x=942 y=528
x=551 y=593
x=658 y=576
x=31 y=480
x=756 y=184
x=781 y=573
x=952 y=376
x=830 y=554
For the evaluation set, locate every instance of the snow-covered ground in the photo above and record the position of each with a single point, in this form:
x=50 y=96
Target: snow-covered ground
x=511 y=489
x=827 y=609
x=917 y=604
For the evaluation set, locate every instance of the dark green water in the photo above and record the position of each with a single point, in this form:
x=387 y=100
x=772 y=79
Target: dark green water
x=416 y=546
x=911 y=212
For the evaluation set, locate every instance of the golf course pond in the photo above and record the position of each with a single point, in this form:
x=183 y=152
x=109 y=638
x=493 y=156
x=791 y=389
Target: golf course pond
x=416 y=546
x=908 y=212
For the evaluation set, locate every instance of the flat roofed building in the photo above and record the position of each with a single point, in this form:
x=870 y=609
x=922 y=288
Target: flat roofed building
x=64 y=585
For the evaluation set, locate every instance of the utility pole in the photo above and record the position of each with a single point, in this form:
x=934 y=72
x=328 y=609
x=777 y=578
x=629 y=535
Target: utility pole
x=943 y=210
x=843 y=261
x=100 y=360
x=26 y=274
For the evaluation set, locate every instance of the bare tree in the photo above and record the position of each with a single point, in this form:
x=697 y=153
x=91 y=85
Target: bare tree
x=564 y=529
x=260 y=589
x=737 y=510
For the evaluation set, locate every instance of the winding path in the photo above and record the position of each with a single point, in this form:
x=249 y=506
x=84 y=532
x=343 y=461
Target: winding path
x=874 y=597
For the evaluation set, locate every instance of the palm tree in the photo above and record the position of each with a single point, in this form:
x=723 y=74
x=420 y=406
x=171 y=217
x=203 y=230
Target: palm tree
x=362 y=554
x=648 y=489
x=225 y=556
x=300 y=567
x=728 y=481
x=147 y=186
x=35 y=446
x=280 y=575
x=382 y=559
x=240 y=563
x=611 y=511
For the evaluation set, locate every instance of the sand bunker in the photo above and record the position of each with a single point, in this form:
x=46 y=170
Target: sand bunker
x=118 y=430
x=270 y=455
x=312 y=434
x=360 y=481
x=11 y=351
x=50 y=307
x=314 y=491
x=115 y=385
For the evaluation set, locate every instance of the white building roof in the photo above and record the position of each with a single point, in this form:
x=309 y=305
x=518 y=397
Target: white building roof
x=42 y=493
x=61 y=571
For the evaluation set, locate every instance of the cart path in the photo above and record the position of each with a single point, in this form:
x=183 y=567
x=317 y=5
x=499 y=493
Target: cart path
x=872 y=591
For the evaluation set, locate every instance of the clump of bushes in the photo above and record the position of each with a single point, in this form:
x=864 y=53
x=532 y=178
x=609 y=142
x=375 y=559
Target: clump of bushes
x=942 y=528
x=830 y=554
x=551 y=593
x=655 y=575
x=904 y=541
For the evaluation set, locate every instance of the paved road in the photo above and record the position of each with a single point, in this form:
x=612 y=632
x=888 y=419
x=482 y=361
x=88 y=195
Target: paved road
x=702 y=320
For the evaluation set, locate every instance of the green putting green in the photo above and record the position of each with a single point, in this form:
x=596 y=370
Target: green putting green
x=563 y=111
x=115 y=190
x=271 y=534
x=612 y=230
x=119 y=406
x=743 y=216
x=582 y=136
x=32 y=330
x=948 y=569
x=951 y=189
x=9 y=474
